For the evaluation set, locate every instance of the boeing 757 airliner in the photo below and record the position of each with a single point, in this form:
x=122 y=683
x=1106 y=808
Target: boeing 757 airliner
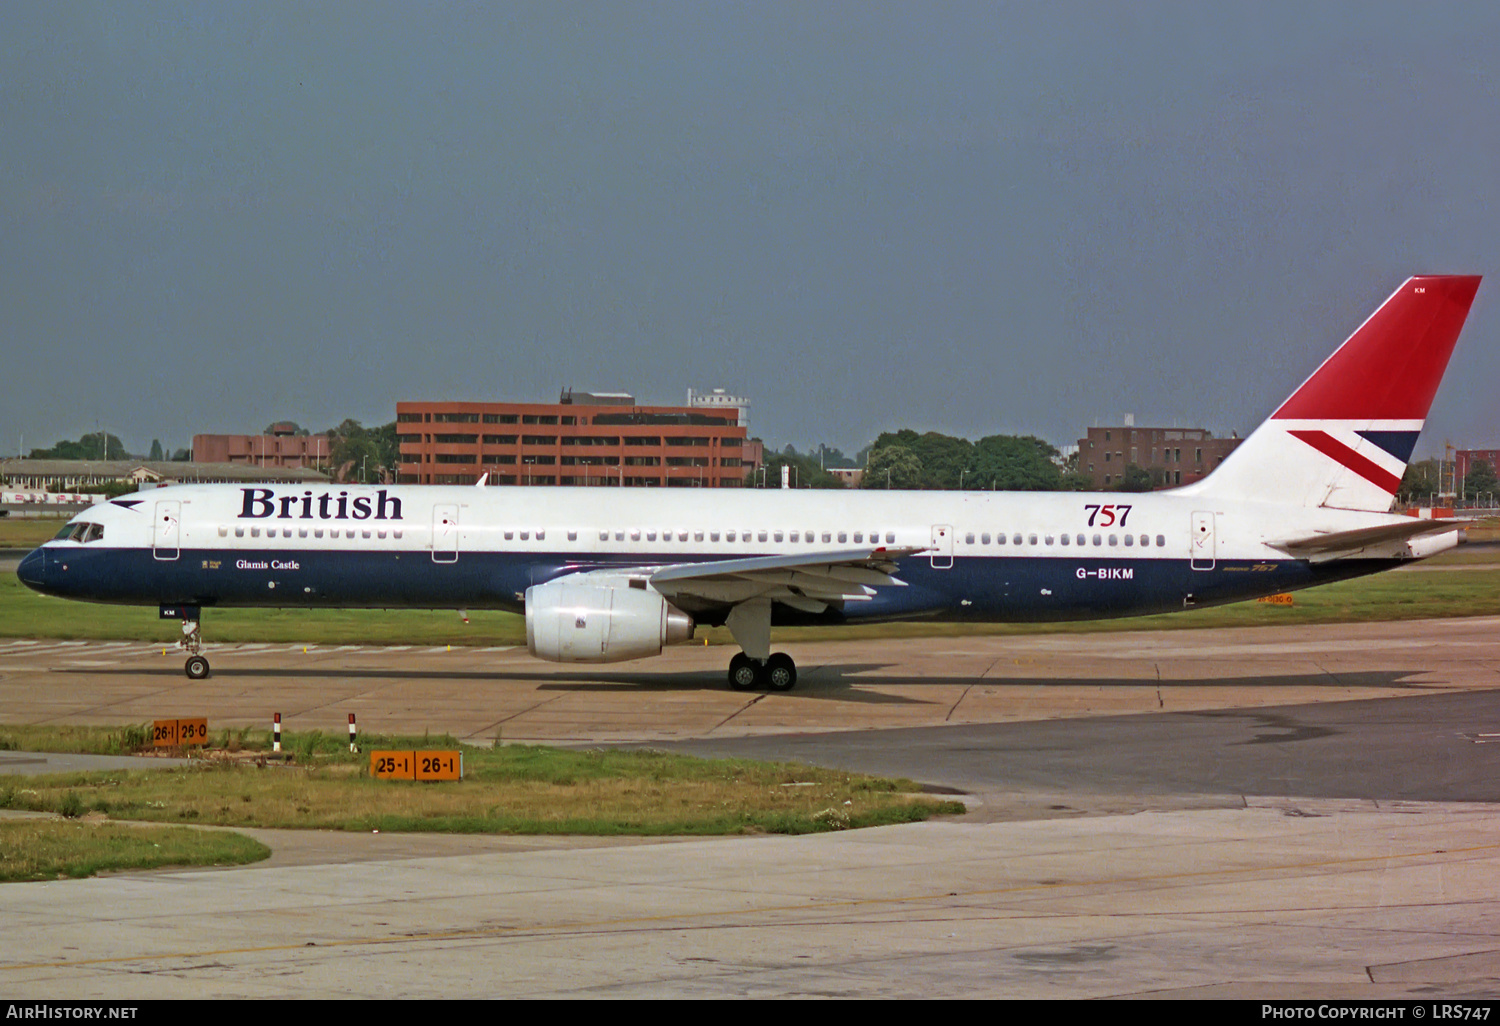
x=1304 y=500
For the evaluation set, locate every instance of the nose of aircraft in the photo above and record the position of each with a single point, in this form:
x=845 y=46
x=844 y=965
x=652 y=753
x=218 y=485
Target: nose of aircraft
x=31 y=569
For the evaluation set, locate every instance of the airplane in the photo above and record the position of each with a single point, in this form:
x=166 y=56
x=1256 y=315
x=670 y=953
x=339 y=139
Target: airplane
x=1303 y=501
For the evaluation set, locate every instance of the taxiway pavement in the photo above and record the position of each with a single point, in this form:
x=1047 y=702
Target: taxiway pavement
x=1263 y=813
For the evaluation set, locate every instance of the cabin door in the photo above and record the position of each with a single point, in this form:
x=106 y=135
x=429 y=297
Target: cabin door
x=1203 y=541
x=445 y=533
x=166 y=536
x=942 y=546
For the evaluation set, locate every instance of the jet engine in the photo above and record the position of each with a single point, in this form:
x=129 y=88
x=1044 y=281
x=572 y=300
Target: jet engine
x=577 y=622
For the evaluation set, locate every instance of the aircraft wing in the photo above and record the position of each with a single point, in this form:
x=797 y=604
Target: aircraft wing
x=809 y=581
x=1341 y=544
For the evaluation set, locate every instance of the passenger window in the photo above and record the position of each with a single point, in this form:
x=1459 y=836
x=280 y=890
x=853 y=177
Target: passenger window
x=1015 y=539
x=969 y=539
x=729 y=536
x=1145 y=540
x=762 y=536
x=317 y=532
x=1081 y=540
x=827 y=537
x=1065 y=539
x=778 y=536
x=509 y=535
x=1049 y=539
x=255 y=532
x=890 y=537
x=859 y=537
x=1129 y=540
x=223 y=531
x=651 y=536
x=572 y=536
x=698 y=536
x=1161 y=541
x=843 y=537
x=604 y=536
x=302 y=532
x=635 y=534
x=984 y=539
x=999 y=539
x=364 y=534
x=395 y=534
x=796 y=536
x=540 y=535
x=1098 y=540
x=1031 y=539
x=682 y=536
x=378 y=534
x=1114 y=540
x=525 y=535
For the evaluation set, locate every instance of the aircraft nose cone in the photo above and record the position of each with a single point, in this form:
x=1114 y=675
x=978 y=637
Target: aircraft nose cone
x=31 y=569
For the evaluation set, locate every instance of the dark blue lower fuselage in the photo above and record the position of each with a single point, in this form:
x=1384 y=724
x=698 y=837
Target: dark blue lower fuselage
x=1025 y=588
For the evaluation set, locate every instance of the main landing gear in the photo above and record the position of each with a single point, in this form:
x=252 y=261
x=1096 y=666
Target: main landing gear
x=776 y=672
x=757 y=666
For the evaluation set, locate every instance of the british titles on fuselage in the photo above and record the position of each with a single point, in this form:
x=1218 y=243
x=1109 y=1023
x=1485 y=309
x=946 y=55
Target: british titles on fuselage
x=265 y=503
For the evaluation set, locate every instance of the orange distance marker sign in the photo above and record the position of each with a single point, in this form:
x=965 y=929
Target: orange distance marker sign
x=393 y=765
x=1276 y=600
x=417 y=765
x=171 y=733
x=440 y=765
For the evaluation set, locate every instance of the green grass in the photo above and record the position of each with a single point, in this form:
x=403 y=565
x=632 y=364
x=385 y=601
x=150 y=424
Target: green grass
x=510 y=789
x=45 y=849
x=28 y=532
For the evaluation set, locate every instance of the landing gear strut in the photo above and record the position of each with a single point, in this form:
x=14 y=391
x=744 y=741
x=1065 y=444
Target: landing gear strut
x=778 y=672
x=757 y=666
x=196 y=667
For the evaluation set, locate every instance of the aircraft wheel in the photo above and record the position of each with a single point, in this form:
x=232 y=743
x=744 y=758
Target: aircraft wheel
x=744 y=672
x=781 y=672
x=196 y=667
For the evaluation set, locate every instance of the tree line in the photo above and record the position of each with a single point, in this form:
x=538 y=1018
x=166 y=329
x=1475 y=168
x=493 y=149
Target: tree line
x=355 y=451
x=907 y=459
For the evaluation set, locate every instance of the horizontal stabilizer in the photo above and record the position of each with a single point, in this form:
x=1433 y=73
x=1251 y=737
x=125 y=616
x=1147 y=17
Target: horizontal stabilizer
x=1338 y=544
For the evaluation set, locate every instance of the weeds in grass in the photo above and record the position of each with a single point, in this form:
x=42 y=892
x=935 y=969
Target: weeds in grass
x=514 y=789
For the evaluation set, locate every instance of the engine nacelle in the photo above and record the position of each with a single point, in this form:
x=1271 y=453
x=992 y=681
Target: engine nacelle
x=600 y=623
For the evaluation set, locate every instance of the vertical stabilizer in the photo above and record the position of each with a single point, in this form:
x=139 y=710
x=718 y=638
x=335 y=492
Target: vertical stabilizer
x=1343 y=439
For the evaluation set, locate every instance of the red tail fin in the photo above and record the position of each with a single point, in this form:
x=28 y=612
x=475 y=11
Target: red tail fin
x=1391 y=367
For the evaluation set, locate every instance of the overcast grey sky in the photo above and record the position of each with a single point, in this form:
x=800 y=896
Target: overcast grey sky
x=968 y=217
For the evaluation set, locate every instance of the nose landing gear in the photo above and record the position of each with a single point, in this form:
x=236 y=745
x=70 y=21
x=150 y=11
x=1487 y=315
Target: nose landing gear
x=191 y=642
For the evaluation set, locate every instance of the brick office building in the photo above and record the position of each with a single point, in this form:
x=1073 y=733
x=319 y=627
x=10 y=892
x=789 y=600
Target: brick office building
x=280 y=447
x=1173 y=456
x=584 y=439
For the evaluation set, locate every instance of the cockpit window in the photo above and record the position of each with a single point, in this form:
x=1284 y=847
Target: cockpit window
x=64 y=534
x=96 y=532
x=82 y=531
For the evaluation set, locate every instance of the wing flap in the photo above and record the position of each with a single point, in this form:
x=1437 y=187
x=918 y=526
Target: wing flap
x=807 y=581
